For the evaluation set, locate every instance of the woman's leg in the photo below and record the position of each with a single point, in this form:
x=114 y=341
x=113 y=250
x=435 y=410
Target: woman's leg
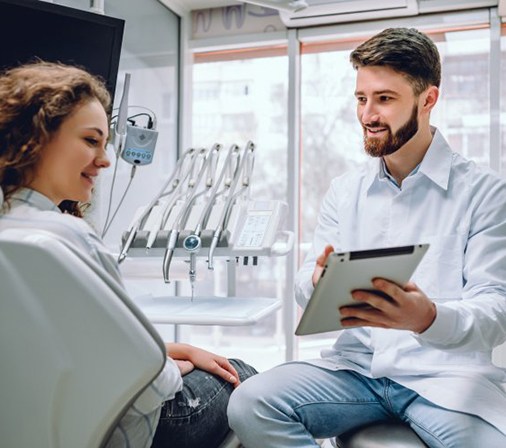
x=196 y=417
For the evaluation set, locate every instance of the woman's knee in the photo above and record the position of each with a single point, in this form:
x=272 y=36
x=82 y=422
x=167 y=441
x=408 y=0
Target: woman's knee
x=244 y=370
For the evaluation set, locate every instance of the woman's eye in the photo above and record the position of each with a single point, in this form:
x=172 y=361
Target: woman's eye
x=92 y=141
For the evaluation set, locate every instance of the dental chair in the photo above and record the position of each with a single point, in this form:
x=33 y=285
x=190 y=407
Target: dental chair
x=75 y=352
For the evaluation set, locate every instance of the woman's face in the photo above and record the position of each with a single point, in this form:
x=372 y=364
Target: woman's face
x=74 y=156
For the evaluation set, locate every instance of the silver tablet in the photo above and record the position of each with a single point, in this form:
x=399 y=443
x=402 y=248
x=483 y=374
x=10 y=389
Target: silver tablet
x=348 y=271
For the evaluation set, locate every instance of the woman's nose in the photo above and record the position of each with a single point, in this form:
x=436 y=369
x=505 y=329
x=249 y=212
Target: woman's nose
x=102 y=160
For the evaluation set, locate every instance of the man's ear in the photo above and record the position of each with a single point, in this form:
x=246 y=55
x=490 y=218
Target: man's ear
x=430 y=97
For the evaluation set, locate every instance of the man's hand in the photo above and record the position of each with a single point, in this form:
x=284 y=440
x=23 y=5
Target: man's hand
x=320 y=263
x=406 y=309
x=186 y=355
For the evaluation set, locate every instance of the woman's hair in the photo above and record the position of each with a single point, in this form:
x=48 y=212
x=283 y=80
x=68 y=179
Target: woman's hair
x=405 y=50
x=35 y=99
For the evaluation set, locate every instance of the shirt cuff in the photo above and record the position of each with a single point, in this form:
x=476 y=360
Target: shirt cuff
x=442 y=329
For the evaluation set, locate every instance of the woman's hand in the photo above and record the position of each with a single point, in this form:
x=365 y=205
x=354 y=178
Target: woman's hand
x=204 y=360
x=184 y=366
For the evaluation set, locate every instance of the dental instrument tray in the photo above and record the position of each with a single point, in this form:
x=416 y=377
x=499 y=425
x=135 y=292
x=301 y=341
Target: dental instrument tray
x=349 y=271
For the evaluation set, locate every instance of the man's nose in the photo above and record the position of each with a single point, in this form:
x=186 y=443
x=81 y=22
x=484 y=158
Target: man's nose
x=369 y=114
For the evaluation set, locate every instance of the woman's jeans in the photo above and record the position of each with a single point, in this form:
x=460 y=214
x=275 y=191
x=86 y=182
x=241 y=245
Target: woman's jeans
x=197 y=416
x=292 y=405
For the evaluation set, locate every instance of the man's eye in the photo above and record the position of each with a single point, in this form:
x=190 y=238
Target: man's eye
x=361 y=99
x=385 y=98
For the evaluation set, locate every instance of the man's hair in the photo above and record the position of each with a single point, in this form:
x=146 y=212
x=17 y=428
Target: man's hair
x=35 y=99
x=405 y=50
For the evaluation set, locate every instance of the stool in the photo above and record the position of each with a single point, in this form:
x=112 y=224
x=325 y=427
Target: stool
x=231 y=441
x=392 y=434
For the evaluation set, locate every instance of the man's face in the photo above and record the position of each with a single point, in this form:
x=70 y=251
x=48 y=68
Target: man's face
x=387 y=109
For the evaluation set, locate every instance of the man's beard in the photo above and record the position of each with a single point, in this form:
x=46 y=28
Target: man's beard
x=378 y=147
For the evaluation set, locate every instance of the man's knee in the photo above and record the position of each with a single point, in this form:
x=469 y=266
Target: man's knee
x=242 y=402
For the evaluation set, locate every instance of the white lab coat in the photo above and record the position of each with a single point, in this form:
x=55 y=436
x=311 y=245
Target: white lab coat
x=460 y=210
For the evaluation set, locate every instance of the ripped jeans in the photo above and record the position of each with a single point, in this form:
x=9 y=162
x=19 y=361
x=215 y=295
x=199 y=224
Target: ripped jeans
x=197 y=416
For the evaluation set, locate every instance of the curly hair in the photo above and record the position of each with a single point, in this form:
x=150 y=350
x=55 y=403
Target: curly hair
x=405 y=50
x=35 y=99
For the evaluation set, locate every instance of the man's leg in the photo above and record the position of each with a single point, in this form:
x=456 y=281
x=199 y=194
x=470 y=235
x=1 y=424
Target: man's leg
x=443 y=428
x=291 y=405
x=197 y=417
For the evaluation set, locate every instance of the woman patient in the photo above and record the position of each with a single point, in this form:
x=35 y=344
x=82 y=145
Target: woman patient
x=53 y=135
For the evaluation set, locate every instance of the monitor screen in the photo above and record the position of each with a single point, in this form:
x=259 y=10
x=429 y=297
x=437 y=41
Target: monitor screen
x=32 y=29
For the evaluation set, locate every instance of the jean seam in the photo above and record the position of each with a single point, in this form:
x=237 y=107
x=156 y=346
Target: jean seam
x=390 y=408
x=358 y=402
x=425 y=429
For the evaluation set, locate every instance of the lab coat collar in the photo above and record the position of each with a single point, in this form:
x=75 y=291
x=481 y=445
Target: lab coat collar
x=436 y=164
x=35 y=199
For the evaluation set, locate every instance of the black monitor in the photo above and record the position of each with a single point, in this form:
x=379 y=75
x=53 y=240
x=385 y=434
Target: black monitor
x=31 y=29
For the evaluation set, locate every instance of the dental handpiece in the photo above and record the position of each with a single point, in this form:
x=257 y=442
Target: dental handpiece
x=212 y=247
x=138 y=224
x=128 y=243
x=181 y=218
x=248 y=149
x=192 y=244
x=169 y=252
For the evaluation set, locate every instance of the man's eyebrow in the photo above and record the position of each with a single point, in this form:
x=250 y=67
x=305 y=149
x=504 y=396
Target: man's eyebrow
x=378 y=92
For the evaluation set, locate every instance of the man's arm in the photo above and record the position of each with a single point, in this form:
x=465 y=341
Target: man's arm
x=326 y=234
x=476 y=321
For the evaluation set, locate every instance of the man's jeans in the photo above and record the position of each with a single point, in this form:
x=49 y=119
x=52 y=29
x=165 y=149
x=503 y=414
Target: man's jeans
x=293 y=404
x=197 y=416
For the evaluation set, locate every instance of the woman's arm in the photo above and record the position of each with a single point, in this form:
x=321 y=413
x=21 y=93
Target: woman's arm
x=202 y=359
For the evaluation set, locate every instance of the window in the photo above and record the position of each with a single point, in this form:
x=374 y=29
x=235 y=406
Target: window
x=245 y=100
x=331 y=138
x=503 y=99
x=463 y=113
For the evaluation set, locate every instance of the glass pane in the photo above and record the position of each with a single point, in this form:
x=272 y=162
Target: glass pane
x=331 y=145
x=462 y=112
x=503 y=99
x=150 y=53
x=233 y=102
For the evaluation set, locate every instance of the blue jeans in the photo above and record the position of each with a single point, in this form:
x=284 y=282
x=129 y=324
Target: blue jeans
x=197 y=416
x=291 y=405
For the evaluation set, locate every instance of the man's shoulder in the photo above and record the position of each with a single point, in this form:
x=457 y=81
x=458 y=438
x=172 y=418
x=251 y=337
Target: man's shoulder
x=474 y=172
x=355 y=176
